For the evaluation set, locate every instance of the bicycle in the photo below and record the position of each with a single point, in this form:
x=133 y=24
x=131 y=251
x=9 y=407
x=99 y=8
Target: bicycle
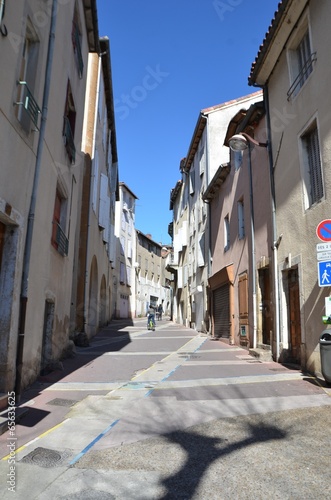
x=151 y=324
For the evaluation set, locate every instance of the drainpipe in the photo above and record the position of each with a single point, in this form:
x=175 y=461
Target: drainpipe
x=209 y=223
x=275 y=240
x=253 y=256
x=33 y=202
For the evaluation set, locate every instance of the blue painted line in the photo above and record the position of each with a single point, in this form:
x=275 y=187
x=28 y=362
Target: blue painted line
x=200 y=346
x=173 y=371
x=148 y=393
x=89 y=446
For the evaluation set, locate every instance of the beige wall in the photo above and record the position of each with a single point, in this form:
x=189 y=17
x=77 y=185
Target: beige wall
x=239 y=254
x=50 y=274
x=289 y=119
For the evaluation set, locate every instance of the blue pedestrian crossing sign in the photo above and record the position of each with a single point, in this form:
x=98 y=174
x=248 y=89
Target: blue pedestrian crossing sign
x=324 y=273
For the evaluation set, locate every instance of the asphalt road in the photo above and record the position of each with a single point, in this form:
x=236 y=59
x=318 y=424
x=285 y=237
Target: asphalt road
x=170 y=414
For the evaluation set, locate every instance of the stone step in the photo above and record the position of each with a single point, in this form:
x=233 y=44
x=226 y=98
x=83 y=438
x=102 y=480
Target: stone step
x=261 y=353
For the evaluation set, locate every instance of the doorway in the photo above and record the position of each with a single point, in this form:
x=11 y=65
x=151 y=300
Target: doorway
x=294 y=316
x=266 y=308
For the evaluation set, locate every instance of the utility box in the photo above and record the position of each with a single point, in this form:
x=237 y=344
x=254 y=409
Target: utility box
x=325 y=351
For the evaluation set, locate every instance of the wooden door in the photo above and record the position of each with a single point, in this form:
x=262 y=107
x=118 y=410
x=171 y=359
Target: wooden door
x=294 y=316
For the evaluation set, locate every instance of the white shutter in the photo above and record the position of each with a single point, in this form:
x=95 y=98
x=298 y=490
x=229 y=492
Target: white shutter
x=104 y=202
x=201 y=251
x=95 y=182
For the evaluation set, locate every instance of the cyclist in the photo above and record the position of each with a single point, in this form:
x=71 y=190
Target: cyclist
x=150 y=316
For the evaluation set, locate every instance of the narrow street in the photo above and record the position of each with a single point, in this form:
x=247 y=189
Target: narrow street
x=170 y=414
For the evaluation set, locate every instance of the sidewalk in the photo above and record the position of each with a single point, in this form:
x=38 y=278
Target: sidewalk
x=132 y=394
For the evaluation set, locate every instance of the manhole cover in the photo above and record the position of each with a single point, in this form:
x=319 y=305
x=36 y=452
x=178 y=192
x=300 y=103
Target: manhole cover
x=62 y=402
x=45 y=457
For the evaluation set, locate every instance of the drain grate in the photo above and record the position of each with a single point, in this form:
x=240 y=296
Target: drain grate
x=62 y=402
x=45 y=457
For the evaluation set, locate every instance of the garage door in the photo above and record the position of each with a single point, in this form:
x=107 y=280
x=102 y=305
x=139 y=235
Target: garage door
x=221 y=311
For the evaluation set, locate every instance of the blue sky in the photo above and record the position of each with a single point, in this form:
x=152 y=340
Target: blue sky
x=170 y=59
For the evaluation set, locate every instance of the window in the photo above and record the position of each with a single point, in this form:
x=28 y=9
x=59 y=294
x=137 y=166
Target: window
x=301 y=64
x=76 y=37
x=241 y=220
x=122 y=273
x=69 y=125
x=312 y=175
x=27 y=108
x=226 y=233
x=59 y=239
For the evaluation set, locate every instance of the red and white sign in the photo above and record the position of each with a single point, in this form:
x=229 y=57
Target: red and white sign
x=323 y=230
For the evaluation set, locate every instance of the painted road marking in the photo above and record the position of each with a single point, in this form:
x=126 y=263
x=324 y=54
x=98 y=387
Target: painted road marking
x=37 y=438
x=92 y=443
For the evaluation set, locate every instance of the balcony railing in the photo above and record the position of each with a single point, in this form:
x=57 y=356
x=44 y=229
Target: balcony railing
x=307 y=68
x=29 y=103
x=61 y=241
x=77 y=49
x=69 y=140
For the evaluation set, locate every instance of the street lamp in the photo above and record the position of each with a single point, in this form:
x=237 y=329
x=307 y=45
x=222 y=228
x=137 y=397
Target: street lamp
x=240 y=142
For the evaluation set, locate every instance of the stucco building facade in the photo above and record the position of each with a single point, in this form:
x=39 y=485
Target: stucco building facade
x=41 y=147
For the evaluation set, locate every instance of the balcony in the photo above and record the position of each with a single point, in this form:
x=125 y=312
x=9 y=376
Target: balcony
x=171 y=261
x=29 y=104
x=306 y=69
x=69 y=140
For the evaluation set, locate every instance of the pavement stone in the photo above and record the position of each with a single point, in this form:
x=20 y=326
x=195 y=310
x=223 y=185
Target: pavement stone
x=170 y=415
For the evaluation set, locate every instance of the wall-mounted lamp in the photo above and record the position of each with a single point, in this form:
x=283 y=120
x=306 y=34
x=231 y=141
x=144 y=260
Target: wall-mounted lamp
x=240 y=142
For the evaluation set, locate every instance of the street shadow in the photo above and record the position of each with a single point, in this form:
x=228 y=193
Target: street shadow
x=202 y=451
x=110 y=338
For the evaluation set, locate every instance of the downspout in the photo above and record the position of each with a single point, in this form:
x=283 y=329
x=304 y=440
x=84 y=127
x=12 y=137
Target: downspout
x=253 y=256
x=275 y=240
x=33 y=202
x=209 y=221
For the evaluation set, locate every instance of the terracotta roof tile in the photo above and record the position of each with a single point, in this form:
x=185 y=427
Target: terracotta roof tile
x=263 y=47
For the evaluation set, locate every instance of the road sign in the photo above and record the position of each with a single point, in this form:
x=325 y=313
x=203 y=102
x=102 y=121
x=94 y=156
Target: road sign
x=323 y=247
x=323 y=230
x=324 y=273
x=324 y=255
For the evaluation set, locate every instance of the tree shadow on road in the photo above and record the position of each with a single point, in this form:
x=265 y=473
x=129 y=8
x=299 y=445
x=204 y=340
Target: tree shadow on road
x=202 y=451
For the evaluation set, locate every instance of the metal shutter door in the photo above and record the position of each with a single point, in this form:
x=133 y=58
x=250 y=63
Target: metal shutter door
x=221 y=312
